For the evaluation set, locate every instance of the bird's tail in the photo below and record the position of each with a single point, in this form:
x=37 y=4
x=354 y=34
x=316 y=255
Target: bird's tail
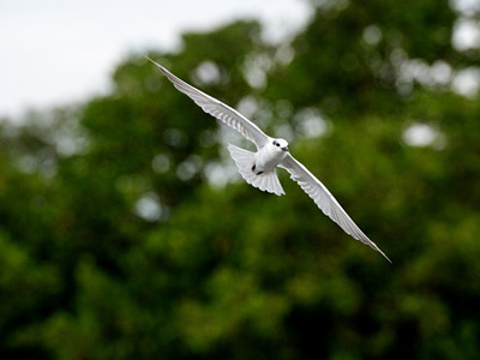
x=245 y=160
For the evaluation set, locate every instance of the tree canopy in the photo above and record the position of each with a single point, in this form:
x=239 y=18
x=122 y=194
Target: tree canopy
x=125 y=231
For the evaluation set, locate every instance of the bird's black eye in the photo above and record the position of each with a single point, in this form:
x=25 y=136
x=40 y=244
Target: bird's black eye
x=276 y=143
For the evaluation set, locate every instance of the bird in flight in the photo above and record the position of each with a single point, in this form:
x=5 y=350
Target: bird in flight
x=259 y=168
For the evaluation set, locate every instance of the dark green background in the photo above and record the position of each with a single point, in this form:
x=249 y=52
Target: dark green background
x=231 y=272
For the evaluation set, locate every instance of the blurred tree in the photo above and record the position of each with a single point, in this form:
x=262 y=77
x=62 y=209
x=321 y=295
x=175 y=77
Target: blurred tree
x=124 y=234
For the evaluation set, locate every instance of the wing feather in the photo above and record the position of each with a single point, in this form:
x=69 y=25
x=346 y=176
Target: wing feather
x=325 y=200
x=217 y=109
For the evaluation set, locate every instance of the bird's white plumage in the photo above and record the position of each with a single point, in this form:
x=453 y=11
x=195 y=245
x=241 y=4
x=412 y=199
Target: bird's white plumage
x=244 y=160
x=268 y=181
x=325 y=200
x=216 y=108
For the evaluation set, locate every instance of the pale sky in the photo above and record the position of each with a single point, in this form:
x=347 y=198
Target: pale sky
x=55 y=52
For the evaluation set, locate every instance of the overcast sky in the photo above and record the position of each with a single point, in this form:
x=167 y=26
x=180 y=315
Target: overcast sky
x=54 y=52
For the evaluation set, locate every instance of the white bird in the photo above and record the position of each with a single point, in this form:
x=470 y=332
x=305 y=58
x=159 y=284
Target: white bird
x=258 y=168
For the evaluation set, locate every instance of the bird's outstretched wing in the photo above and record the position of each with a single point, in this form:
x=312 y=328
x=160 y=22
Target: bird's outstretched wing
x=325 y=200
x=216 y=108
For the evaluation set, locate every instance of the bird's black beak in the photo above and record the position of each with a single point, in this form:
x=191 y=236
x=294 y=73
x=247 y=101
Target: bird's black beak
x=285 y=148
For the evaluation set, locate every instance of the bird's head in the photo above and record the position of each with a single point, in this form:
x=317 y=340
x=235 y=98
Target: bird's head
x=280 y=144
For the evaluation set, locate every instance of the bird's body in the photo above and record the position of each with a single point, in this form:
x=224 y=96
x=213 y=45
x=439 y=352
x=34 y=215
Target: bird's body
x=259 y=168
x=268 y=157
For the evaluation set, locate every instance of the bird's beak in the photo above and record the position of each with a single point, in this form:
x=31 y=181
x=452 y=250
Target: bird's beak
x=285 y=148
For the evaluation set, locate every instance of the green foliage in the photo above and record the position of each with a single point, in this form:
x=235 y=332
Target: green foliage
x=116 y=241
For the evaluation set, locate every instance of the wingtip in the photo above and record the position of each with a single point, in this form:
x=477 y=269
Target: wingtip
x=152 y=61
x=385 y=256
x=162 y=69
